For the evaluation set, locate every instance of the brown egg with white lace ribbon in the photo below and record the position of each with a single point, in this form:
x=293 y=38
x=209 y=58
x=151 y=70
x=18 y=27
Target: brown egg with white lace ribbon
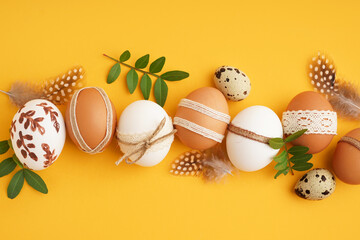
x=311 y=111
x=91 y=119
x=201 y=118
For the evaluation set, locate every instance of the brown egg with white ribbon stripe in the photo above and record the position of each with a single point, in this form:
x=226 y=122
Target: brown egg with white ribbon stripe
x=91 y=119
x=202 y=118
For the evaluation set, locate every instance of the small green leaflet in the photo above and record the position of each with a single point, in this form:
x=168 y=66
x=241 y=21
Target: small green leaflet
x=302 y=158
x=142 y=62
x=16 y=184
x=4 y=146
x=125 y=56
x=35 y=181
x=114 y=73
x=157 y=65
x=276 y=143
x=285 y=172
x=302 y=166
x=282 y=157
x=298 y=150
x=174 y=75
x=132 y=80
x=160 y=91
x=145 y=86
x=7 y=166
x=295 y=136
x=281 y=166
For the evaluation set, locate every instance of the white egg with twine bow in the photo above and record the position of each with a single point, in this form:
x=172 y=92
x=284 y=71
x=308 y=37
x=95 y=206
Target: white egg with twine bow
x=144 y=133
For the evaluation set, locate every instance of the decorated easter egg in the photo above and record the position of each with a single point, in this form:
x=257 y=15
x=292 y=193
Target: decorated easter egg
x=317 y=184
x=248 y=136
x=145 y=133
x=201 y=118
x=311 y=111
x=232 y=82
x=91 y=119
x=346 y=159
x=38 y=134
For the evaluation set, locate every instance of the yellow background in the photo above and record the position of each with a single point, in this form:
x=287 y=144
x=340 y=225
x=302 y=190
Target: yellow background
x=90 y=198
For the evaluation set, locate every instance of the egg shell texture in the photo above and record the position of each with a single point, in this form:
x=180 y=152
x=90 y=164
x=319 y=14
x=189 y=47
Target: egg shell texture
x=210 y=97
x=140 y=119
x=249 y=155
x=311 y=101
x=232 y=82
x=91 y=118
x=38 y=134
x=346 y=160
x=317 y=184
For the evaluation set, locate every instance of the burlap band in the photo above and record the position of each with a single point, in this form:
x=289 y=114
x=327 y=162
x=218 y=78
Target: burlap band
x=352 y=141
x=248 y=134
x=142 y=146
x=75 y=128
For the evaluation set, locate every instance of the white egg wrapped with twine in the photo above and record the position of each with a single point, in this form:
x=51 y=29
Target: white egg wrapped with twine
x=145 y=133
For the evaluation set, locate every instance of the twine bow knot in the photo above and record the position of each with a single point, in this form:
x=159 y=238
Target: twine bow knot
x=142 y=146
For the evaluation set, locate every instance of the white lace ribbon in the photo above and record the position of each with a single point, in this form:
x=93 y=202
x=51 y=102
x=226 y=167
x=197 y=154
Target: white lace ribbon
x=198 y=129
x=199 y=107
x=316 y=122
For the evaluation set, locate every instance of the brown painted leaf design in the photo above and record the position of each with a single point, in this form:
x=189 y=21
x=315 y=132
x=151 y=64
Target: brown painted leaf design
x=33 y=156
x=30 y=113
x=31 y=145
x=23 y=153
x=18 y=143
x=27 y=123
x=28 y=137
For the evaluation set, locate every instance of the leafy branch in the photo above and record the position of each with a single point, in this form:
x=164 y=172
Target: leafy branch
x=132 y=77
x=8 y=165
x=299 y=159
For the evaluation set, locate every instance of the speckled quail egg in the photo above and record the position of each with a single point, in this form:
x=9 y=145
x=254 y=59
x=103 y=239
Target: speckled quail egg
x=232 y=82
x=317 y=184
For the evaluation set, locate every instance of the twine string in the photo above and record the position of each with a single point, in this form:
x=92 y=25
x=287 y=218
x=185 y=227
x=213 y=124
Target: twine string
x=143 y=145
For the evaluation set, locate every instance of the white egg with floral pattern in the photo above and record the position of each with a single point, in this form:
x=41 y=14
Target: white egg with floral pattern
x=38 y=134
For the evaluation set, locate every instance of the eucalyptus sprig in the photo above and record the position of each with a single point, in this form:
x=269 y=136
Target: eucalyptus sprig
x=132 y=77
x=299 y=159
x=8 y=165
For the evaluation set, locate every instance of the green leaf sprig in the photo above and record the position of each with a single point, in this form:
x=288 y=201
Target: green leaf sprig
x=132 y=77
x=299 y=159
x=17 y=182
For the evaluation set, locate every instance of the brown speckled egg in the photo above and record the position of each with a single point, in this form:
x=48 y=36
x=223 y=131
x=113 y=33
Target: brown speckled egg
x=211 y=98
x=346 y=159
x=91 y=119
x=310 y=101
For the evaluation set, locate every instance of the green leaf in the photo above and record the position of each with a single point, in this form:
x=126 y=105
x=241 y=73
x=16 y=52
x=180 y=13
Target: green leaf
x=303 y=158
x=142 y=62
x=114 y=73
x=296 y=135
x=160 y=91
x=7 y=166
x=157 y=65
x=17 y=161
x=35 y=181
x=16 y=184
x=281 y=165
x=132 y=80
x=276 y=143
x=302 y=166
x=125 y=56
x=4 y=146
x=284 y=171
x=298 y=150
x=174 y=75
x=281 y=157
x=145 y=86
